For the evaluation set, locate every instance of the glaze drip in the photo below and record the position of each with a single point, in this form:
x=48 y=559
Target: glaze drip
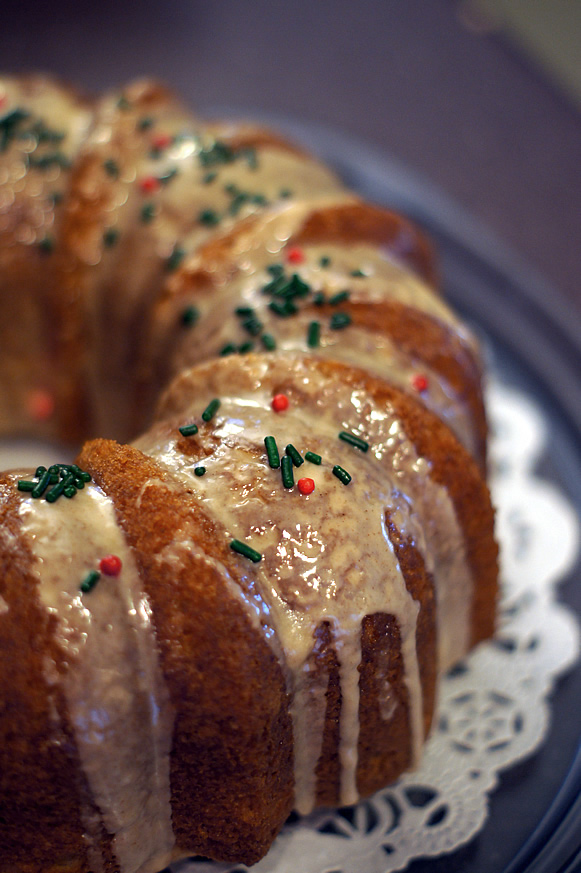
x=117 y=702
x=309 y=573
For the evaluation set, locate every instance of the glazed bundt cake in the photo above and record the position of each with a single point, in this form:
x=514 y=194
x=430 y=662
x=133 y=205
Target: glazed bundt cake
x=246 y=610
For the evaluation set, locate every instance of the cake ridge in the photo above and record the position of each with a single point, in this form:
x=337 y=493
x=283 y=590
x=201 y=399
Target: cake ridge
x=240 y=597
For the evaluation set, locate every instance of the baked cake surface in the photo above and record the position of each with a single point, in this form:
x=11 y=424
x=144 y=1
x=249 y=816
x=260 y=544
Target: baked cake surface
x=245 y=610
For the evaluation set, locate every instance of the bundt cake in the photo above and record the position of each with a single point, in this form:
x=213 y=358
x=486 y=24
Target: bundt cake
x=246 y=610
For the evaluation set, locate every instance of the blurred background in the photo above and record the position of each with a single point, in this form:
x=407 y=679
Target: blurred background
x=480 y=97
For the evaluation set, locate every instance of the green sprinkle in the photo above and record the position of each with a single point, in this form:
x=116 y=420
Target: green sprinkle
x=340 y=297
x=58 y=489
x=246 y=347
x=286 y=469
x=112 y=168
x=209 y=218
x=238 y=202
x=209 y=177
x=252 y=325
x=49 y=160
x=244 y=310
x=275 y=269
x=298 y=287
x=148 y=211
x=341 y=474
x=325 y=261
x=9 y=124
x=285 y=193
x=188 y=430
x=217 y=153
x=339 y=320
x=65 y=479
x=26 y=485
x=354 y=440
x=82 y=474
x=211 y=409
x=123 y=103
x=251 y=159
x=145 y=123
x=294 y=455
x=276 y=286
x=175 y=259
x=44 y=133
x=314 y=334
x=167 y=177
x=313 y=458
x=110 y=238
x=319 y=298
x=190 y=316
x=200 y=471
x=42 y=484
x=283 y=310
x=46 y=245
x=268 y=341
x=272 y=452
x=246 y=551
x=228 y=349
x=358 y=274
x=90 y=581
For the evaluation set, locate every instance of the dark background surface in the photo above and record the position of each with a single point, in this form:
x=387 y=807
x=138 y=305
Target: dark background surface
x=423 y=80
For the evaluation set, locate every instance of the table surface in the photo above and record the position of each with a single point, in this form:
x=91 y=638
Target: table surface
x=419 y=80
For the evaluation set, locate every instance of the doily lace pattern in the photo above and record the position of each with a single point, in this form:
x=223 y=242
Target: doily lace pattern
x=493 y=708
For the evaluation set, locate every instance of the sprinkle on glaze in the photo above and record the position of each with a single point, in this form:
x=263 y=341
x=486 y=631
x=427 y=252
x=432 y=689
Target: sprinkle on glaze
x=382 y=279
x=117 y=702
x=309 y=574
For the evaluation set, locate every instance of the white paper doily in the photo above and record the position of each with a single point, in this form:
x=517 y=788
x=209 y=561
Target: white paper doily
x=493 y=709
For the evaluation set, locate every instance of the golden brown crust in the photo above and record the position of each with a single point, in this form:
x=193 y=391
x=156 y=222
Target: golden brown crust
x=357 y=222
x=451 y=464
x=231 y=765
x=42 y=786
x=190 y=603
x=29 y=274
x=453 y=467
x=384 y=745
x=231 y=756
x=434 y=344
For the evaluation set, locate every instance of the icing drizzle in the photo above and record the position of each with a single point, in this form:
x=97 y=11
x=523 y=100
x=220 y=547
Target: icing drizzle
x=117 y=702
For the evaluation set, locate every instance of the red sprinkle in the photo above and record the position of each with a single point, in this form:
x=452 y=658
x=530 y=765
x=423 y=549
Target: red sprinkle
x=110 y=565
x=161 y=141
x=306 y=485
x=295 y=255
x=40 y=405
x=419 y=382
x=280 y=402
x=149 y=184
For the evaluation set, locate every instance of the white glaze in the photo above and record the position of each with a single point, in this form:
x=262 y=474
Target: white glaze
x=305 y=554
x=117 y=702
x=312 y=570
x=239 y=282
